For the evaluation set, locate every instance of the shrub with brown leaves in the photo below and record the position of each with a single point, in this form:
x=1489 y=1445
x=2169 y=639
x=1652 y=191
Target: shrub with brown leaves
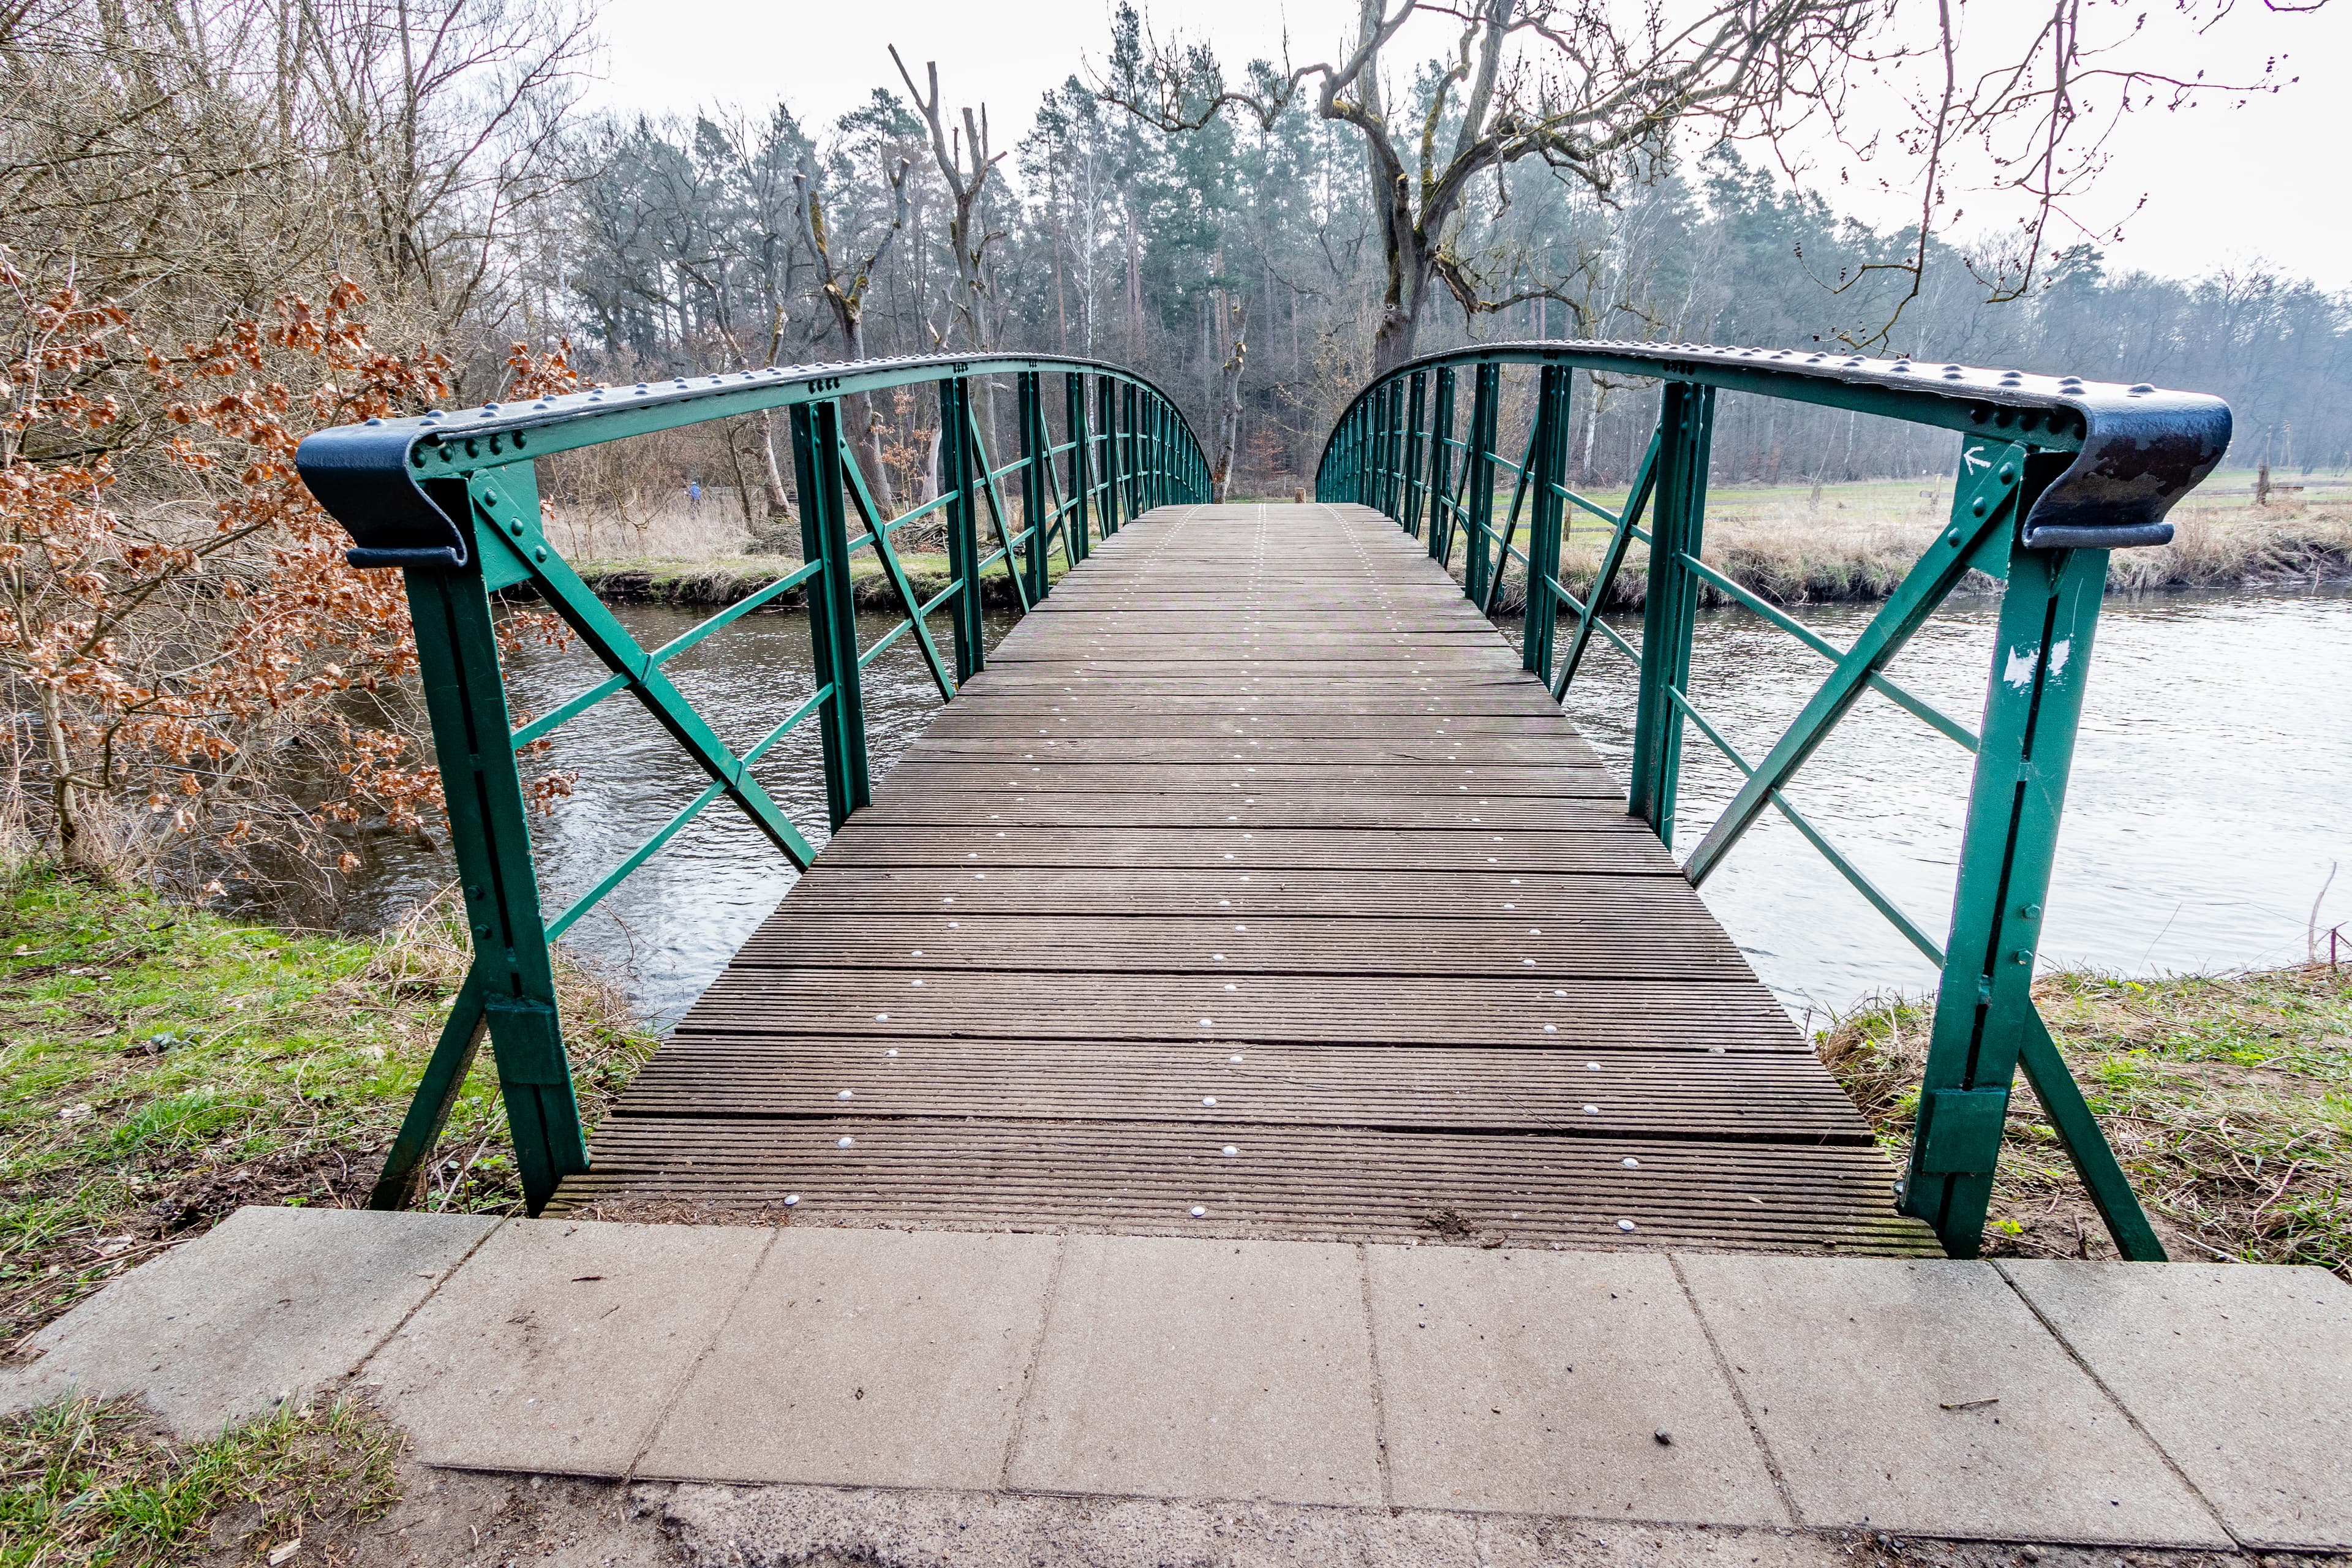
x=198 y=682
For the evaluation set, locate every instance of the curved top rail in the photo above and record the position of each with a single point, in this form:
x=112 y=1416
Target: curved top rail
x=2137 y=448
x=376 y=478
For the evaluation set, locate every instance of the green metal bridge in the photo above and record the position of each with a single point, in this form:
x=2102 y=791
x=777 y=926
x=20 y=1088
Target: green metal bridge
x=1253 y=884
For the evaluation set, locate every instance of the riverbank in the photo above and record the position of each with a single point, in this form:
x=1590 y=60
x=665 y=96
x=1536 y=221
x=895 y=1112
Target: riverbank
x=724 y=579
x=164 y=1065
x=2224 y=1097
x=1851 y=549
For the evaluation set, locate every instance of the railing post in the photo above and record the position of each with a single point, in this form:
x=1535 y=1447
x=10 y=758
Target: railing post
x=1415 y=436
x=1549 y=461
x=1107 y=423
x=510 y=984
x=963 y=528
x=1686 y=418
x=1035 y=483
x=1130 y=492
x=1485 y=398
x=1386 y=480
x=1075 y=526
x=1985 y=1016
x=1155 y=456
x=832 y=607
x=1441 y=469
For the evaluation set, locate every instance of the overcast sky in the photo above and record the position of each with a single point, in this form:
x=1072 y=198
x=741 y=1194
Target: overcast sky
x=2222 y=185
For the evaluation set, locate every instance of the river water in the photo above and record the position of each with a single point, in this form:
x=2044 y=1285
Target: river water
x=2209 y=796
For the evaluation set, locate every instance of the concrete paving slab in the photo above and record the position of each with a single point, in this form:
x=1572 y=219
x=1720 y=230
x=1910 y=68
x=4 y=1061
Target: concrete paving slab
x=2243 y=1374
x=1538 y=1382
x=1922 y=1397
x=877 y=1358
x=559 y=1343
x=270 y=1302
x=1178 y=1368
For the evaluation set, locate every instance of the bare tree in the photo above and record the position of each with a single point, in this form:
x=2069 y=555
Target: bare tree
x=965 y=164
x=843 y=283
x=1586 y=93
x=2042 y=114
x=447 y=116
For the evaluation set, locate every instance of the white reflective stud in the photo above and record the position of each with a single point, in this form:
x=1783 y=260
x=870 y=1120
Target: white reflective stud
x=1200 y=1213
x=1625 y=1224
x=1231 y=1150
x=792 y=1199
x=845 y=1094
x=846 y=1143
x=1631 y=1163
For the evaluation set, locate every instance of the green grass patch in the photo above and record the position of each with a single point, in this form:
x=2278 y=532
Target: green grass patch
x=2227 y=1098
x=160 y=1066
x=85 y=1483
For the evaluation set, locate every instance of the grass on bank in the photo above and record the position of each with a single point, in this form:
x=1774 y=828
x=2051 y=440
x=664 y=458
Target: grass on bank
x=2227 y=1098
x=86 y=1483
x=160 y=1066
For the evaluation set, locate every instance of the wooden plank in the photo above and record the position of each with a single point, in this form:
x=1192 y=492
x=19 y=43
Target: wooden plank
x=1252 y=875
x=1320 y=1183
x=1605 y=845
x=1682 y=944
x=1745 y=1099
x=1547 y=1008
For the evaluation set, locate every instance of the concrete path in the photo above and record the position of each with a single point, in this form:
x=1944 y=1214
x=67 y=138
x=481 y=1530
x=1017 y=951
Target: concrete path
x=2156 y=1405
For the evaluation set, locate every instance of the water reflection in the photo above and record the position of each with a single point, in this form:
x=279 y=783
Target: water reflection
x=2206 y=803
x=2206 y=806
x=674 y=923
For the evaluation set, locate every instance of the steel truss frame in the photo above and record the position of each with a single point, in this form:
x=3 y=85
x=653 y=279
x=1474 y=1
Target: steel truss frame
x=2054 y=473
x=452 y=500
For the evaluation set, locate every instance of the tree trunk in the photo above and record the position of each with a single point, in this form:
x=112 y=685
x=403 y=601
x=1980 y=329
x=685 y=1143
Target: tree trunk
x=864 y=428
x=772 y=475
x=78 y=849
x=1413 y=268
x=1228 y=406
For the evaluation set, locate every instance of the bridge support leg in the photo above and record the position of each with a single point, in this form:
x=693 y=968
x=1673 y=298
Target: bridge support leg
x=1686 y=421
x=511 y=984
x=1986 y=1023
x=958 y=481
x=832 y=609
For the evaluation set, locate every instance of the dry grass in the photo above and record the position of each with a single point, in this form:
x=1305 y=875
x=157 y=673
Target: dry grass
x=1859 y=540
x=2228 y=1099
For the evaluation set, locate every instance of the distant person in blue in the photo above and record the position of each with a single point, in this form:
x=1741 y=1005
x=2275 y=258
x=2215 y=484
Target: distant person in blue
x=694 y=494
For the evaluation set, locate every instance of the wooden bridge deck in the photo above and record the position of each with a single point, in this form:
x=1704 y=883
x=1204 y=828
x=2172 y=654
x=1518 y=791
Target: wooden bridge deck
x=1255 y=877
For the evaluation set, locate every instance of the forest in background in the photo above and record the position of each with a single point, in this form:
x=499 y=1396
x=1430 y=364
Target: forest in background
x=225 y=222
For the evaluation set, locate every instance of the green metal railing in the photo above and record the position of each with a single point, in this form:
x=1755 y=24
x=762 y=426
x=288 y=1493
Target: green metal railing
x=2053 y=474
x=453 y=500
